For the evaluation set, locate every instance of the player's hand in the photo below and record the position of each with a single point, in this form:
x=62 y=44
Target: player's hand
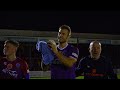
x=53 y=45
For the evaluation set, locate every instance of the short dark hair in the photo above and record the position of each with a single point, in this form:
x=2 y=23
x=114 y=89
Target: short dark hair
x=13 y=42
x=66 y=27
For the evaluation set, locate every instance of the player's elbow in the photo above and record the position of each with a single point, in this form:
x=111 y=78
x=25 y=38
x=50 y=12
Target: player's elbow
x=71 y=64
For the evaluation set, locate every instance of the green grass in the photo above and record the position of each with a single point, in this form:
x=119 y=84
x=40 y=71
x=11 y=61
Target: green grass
x=80 y=77
x=118 y=76
x=40 y=78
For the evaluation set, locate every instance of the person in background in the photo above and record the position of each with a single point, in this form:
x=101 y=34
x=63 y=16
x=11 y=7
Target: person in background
x=65 y=55
x=95 y=66
x=11 y=66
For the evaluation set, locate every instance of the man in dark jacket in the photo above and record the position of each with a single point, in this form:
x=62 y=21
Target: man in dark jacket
x=95 y=66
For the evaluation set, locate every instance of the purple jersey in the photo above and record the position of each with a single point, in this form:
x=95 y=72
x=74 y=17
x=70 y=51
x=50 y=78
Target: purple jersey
x=60 y=71
x=17 y=69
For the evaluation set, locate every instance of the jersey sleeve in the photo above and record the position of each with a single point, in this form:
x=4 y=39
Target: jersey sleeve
x=74 y=52
x=81 y=66
x=25 y=70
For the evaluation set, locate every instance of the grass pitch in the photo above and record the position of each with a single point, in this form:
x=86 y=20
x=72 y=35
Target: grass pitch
x=80 y=77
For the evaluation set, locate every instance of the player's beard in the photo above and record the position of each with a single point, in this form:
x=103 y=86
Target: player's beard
x=61 y=40
x=95 y=55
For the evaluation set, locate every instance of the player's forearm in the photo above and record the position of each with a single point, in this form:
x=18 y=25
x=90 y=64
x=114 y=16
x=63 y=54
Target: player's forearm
x=65 y=60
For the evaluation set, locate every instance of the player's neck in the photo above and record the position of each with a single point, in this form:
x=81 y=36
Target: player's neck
x=63 y=45
x=95 y=58
x=11 y=57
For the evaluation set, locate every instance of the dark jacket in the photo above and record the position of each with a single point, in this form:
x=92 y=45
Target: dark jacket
x=96 y=69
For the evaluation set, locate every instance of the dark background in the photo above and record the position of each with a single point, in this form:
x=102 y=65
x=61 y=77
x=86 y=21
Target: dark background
x=101 y=21
x=81 y=20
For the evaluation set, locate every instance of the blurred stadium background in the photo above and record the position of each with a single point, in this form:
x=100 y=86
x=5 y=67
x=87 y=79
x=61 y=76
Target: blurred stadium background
x=29 y=38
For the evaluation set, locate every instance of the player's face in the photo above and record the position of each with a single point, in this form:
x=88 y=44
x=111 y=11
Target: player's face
x=95 y=50
x=9 y=49
x=63 y=35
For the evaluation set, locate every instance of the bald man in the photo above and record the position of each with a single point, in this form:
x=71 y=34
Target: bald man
x=95 y=66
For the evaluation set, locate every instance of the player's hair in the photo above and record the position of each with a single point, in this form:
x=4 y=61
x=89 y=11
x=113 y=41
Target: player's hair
x=13 y=42
x=95 y=41
x=66 y=27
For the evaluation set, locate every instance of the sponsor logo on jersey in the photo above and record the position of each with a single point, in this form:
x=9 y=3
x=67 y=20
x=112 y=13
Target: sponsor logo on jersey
x=10 y=72
x=9 y=66
x=88 y=66
x=18 y=65
x=93 y=70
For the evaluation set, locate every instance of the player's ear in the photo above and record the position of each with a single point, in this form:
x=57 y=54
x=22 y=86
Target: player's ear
x=101 y=49
x=16 y=49
x=69 y=36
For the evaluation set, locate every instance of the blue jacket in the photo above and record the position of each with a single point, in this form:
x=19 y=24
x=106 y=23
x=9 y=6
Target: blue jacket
x=47 y=54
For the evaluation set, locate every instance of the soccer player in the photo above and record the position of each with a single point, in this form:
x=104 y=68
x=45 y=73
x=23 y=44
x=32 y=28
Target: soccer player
x=95 y=66
x=11 y=66
x=66 y=55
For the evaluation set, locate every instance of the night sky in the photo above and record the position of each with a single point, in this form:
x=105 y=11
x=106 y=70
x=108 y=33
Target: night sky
x=82 y=21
